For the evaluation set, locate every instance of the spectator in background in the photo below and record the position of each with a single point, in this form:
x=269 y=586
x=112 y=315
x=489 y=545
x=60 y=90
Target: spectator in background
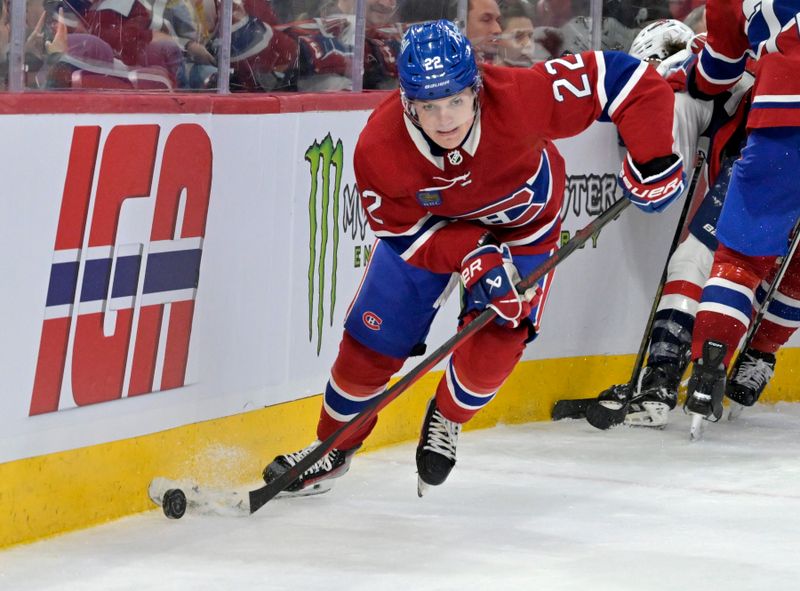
x=523 y=42
x=517 y=46
x=68 y=53
x=263 y=57
x=380 y=12
x=483 y=29
x=68 y=58
x=382 y=44
x=156 y=36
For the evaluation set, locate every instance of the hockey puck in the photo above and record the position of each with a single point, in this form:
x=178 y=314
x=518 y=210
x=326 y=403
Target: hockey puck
x=174 y=503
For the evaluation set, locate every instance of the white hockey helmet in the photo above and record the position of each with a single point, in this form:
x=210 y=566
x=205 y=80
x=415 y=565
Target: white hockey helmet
x=660 y=39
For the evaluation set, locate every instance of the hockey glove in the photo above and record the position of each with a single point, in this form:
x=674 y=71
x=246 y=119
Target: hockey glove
x=653 y=185
x=490 y=277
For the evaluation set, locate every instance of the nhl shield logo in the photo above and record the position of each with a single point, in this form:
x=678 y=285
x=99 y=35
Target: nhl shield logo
x=455 y=158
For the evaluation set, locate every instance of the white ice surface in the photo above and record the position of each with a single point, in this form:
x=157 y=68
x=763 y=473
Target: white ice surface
x=543 y=506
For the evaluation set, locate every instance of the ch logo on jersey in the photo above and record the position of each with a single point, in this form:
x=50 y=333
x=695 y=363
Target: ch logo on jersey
x=522 y=205
x=372 y=321
x=515 y=210
x=125 y=268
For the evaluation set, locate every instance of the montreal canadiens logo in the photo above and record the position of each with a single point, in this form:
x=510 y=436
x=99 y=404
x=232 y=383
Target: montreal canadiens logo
x=372 y=321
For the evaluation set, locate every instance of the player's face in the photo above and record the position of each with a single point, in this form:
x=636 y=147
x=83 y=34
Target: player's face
x=447 y=121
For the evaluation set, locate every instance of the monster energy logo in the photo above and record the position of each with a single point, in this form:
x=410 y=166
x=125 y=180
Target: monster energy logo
x=324 y=158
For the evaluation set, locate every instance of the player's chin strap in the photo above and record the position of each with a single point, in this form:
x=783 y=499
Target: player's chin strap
x=259 y=497
x=600 y=414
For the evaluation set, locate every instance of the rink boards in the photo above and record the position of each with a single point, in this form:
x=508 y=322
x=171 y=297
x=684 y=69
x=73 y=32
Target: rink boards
x=177 y=272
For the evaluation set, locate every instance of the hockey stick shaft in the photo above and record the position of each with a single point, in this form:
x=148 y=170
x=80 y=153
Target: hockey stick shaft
x=261 y=496
x=598 y=415
x=676 y=239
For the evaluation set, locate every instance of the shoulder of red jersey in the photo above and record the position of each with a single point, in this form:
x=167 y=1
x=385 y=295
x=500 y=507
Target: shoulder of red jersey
x=383 y=125
x=563 y=96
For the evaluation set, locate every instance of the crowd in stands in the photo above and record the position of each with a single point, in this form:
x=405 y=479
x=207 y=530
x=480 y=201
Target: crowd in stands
x=294 y=45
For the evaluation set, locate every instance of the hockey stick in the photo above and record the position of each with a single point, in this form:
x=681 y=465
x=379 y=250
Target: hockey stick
x=261 y=496
x=597 y=413
x=736 y=408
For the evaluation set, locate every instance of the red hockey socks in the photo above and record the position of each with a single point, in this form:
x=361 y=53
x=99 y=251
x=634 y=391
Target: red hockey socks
x=727 y=305
x=358 y=375
x=477 y=369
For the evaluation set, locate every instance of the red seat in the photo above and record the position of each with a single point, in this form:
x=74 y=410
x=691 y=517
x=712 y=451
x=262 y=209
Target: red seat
x=122 y=79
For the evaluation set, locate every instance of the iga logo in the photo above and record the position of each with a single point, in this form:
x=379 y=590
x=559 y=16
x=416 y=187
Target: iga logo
x=119 y=314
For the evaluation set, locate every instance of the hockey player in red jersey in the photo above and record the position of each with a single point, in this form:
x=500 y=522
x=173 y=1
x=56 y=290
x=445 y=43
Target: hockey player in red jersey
x=459 y=178
x=762 y=204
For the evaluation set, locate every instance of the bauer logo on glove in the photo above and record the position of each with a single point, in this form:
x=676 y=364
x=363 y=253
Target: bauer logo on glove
x=489 y=276
x=653 y=185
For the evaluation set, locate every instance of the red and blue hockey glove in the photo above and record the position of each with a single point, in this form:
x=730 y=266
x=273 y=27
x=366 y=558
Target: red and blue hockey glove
x=490 y=277
x=653 y=185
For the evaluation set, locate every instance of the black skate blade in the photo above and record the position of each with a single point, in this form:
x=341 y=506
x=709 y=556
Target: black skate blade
x=571 y=408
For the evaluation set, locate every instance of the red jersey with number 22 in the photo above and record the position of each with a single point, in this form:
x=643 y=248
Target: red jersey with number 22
x=507 y=177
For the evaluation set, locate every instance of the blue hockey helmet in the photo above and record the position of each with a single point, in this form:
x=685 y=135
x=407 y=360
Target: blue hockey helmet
x=436 y=61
